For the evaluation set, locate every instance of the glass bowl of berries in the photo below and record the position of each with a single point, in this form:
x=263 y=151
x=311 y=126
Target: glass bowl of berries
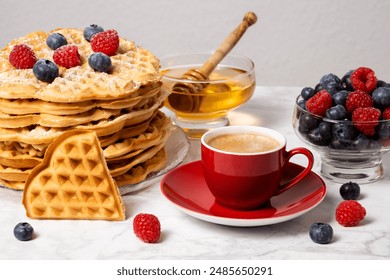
x=347 y=121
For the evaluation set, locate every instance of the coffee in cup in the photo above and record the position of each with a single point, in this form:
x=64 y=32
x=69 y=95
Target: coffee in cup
x=243 y=165
x=244 y=143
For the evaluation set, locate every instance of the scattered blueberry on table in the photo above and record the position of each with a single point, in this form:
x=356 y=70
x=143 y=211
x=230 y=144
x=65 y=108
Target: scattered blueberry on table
x=321 y=233
x=350 y=191
x=23 y=231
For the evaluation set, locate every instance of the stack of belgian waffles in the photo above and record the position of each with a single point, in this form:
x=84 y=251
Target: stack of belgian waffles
x=120 y=106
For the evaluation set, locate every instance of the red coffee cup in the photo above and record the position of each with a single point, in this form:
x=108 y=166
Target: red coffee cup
x=243 y=165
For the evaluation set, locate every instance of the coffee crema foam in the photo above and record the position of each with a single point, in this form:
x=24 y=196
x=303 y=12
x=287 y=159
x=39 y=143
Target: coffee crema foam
x=244 y=143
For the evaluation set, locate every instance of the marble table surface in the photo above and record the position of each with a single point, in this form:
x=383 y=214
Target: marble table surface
x=185 y=237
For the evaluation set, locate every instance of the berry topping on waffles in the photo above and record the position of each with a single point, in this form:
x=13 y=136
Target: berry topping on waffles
x=67 y=56
x=91 y=30
x=22 y=57
x=106 y=42
x=56 y=40
x=100 y=62
x=45 y=70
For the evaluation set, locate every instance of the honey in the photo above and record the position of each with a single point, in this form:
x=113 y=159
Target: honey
x=226 y=89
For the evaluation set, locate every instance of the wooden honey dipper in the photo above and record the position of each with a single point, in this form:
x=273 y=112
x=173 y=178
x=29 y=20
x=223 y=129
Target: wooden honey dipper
x=192 y=103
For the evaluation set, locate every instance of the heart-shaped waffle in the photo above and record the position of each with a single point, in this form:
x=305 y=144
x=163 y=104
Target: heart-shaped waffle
x=73 y=182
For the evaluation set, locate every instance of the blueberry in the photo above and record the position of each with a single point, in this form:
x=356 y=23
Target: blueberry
x=337 y=112
x=316 y=138
x=23 y=231
x=339 y=98
x=318 y=87
x=321 y=233
x=56 y=40
x=331 y=83
x=374 y=145
x=344 y=131
x=99 y=62
x=383 y=130
x=307 y=92
x=346 y=81
x=302 y=104
x=325 y=130
x=91 y=30
x=350 y=191
x=381 y=97
x=332 y=87
x=381 y=83
x=45 y=70
x=329 y=78
x=307 y=123
x=340 y=144
x=361 y=142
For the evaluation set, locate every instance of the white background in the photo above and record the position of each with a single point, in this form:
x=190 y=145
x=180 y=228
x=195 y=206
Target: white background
x=293 y=43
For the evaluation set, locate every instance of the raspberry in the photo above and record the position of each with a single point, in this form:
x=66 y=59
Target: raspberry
x=319 y=103
x=22 y=57
x=147 y=227
x=363 y=79
x=358 y=99
x=366 y=119
x=386 y=114
x=349 y=213
x=106 y=42
x=67 y=56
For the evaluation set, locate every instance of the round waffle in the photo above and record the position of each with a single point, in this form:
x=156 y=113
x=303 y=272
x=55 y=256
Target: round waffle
x=36 y=106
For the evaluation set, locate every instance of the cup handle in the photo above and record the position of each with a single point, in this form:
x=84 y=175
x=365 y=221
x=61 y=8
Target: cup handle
x=301 y=175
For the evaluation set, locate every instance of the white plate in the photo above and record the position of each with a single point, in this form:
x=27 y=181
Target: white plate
x=176 y=148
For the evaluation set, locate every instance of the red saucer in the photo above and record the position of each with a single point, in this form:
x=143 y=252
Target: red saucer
x=186 y=188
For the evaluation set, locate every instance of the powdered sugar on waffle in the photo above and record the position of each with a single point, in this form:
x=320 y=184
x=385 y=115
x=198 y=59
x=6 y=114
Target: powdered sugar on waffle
x=132 y=67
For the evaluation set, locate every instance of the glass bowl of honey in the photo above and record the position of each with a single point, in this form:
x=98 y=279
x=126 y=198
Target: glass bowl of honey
x=199 y=104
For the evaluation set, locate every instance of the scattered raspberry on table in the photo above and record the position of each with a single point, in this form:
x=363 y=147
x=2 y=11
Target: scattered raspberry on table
x=147 y=227
x=349 y=213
